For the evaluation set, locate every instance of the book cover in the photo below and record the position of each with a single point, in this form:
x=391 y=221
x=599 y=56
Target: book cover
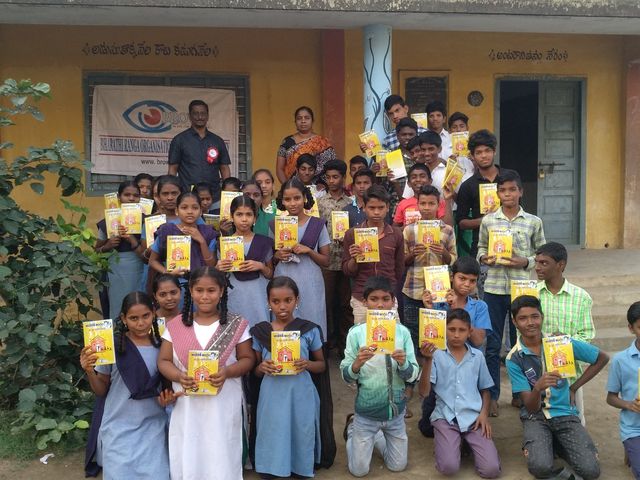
x=455 y=176
x=524 y=287
x=437 y=281
x=151 y=224
x=558 y=355
x=212 y=220
x=131 y=217
x=451 y=161
x=489 y=199
x=112 y=221
x=225 y=204
x=372 y=142
x=339 y=224
x=178 y=252
x=381 y=159
x=428 y=232
x=395 y=163
x=411 y=216
x=162 y=324
x=111 y=200
x=232 y=248
x=381 y=331
x=367 y=239
x=99 y=335
x=285 y=350
x=459 y=141
x=146 y=204
x=433 y=327
x=286 y=231
x=422 y=119
x=500 y=245
x=202 y=364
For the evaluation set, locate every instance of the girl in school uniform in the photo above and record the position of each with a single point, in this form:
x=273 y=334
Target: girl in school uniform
x=247 y=296
x=267 y=208
x=288 y=420
x=128 y=428
x=303 y=262
x=125 y=268
x=167 y=294
x=205 y=433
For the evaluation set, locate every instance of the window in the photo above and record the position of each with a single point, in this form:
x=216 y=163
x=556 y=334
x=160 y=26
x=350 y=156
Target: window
x=98 y=184
x=422 y=87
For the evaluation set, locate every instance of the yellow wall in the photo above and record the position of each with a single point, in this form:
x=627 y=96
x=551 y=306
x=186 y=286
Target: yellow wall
x=285 y=71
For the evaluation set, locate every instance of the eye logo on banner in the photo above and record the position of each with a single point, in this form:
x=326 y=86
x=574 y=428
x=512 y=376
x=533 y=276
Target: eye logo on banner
x=148 y=116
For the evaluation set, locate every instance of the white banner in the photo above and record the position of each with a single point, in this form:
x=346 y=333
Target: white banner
x=132 y=126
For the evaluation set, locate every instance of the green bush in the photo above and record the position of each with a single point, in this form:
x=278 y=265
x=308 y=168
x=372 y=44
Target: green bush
x=48 y=275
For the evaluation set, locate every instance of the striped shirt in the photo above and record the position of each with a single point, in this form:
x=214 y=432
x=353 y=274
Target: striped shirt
x=528 y=236
x=567 y=312
x=414 y=283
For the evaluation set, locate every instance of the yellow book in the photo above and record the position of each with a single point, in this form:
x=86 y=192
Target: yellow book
x=111 y=200
x=225 y=204
x=459 y=141
x=437 y=281
x=422 y=119
x=428 y=232
x=433 y=327
x=451 y=161
x=313 y=211
x=131 y=217
x=146 y=204
x=99 y=335
x=489 y=199
x=524 y=287
x=112 y=220
x=285 y=350
x=381 y=158
x=162 y=325
x=151 y=224
x=455 y=176
x=500 y=245
x=558 y=355
x=411 y=216
x=178 y=252
x=212 y=220
x=339 y=224
x=232 y=248
x=371 y=140
x=286 y=231
x=367 y=240
x=395 y=163
x=381 y=331
x=202 y=364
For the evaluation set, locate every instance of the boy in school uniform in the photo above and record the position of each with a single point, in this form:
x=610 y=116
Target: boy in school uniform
x=459 y=377
x=391 y=243
x=436 y=120
x=362 y=181
x=548 y=413
x=528 y=235
x=378 y=421
x=566 y=307
x=622 y=391
x=356 y=163
x=337 y=285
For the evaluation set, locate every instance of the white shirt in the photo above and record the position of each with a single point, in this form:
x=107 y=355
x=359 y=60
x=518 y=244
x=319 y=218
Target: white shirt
x=437 y=176
x=447 y=149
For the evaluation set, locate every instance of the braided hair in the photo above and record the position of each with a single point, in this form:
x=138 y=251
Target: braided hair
x=295 y=182
x=131 y=300
x=220 y=278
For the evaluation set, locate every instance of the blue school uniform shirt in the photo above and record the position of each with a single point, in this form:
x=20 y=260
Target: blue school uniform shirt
x=458 y=385
x=477 y=310
x=525 y=368
x=623 y=379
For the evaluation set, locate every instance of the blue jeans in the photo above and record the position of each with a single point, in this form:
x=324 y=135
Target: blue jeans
x=499 y=308
x=389 y=438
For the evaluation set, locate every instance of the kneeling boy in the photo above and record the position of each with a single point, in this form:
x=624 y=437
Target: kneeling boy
x=548 y=414
x=380 y=401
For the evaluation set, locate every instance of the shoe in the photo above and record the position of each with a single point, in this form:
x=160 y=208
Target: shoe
x=348 y=422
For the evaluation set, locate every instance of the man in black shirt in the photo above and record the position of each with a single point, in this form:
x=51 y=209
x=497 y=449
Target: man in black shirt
x=198 y=155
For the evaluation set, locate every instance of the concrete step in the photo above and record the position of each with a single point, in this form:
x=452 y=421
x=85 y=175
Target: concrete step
x=605 y=316
x=623 y=295
x=613 y=339
x=605 y=280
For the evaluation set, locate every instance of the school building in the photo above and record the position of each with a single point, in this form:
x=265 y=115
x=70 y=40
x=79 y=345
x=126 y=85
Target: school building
x=558 y=81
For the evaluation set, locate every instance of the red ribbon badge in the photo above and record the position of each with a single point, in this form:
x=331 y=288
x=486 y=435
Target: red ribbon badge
x=212 y=154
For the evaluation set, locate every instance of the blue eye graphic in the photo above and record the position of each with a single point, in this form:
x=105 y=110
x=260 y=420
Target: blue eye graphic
x=148 y=116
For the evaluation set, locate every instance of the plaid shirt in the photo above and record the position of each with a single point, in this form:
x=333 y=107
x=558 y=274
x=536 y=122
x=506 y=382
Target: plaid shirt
x=414 y=283
x=391 y=142
x=326 y=205
x=528 y=236
x=569 y=311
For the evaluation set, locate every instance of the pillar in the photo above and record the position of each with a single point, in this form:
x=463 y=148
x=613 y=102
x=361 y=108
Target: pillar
x=631 y=222
x=377 y=77
x=333 y=96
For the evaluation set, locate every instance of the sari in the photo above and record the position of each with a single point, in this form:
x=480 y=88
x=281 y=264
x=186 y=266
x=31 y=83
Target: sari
x=318 y=146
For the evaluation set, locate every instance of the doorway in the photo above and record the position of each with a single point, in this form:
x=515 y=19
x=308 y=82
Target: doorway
x=539 y=125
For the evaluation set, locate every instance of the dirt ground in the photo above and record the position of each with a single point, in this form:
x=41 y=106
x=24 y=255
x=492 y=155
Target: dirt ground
x=602 y=423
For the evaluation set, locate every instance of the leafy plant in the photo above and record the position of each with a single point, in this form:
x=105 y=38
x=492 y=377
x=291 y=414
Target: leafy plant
x=48 y=276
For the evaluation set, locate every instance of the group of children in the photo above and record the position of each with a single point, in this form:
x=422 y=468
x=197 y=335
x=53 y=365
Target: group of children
x=319 y=287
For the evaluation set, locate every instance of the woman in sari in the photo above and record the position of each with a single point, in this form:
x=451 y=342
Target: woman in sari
x=303 y=141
